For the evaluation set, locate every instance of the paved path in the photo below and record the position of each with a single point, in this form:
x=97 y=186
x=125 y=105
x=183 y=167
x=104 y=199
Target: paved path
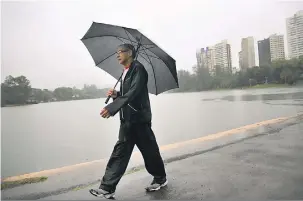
x=268 y=166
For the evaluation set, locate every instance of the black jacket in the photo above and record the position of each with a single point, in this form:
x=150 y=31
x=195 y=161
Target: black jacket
x=133 y=98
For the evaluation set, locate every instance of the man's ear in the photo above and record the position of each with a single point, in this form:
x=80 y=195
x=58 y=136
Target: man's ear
x=130 y=53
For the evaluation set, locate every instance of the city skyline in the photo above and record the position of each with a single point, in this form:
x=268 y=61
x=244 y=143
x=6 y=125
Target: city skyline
x=270 y=48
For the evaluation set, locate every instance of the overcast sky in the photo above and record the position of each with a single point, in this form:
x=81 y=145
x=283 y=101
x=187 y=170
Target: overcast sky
x=41 y=39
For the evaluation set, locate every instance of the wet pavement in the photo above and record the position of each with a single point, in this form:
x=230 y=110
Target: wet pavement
x=265 y=165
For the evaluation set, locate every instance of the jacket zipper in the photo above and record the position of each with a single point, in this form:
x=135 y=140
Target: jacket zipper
x=122 y=95
x=122 y=83
x=132 y=108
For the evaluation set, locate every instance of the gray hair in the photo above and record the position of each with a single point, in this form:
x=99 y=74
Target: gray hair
x=127 y=46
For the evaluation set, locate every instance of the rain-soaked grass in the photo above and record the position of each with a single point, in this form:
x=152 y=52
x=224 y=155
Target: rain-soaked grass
x=16 y=183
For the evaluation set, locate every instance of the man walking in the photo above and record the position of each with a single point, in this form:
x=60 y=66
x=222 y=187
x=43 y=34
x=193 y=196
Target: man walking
x=135 y=129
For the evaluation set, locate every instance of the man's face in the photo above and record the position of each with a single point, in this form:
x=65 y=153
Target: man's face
x=123 y=55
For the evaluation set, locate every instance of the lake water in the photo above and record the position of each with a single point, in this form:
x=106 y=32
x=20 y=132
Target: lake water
x=51 y=135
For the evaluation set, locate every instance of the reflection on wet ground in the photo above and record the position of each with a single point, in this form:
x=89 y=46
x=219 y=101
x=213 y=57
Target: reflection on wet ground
x=295 y=97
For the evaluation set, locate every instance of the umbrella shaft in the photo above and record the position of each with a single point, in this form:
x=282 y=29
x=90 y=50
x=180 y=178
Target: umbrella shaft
x=137 y=50
x=106 y=101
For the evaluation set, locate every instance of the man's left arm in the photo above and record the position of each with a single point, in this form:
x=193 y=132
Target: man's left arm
x=137 y=84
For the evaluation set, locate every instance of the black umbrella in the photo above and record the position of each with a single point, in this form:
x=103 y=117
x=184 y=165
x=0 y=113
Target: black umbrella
x=102 y=41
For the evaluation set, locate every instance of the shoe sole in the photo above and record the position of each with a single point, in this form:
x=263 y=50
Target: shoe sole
x=156 y=189
x=107 y=196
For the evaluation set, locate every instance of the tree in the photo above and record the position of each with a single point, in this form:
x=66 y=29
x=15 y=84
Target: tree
x=202 y=78
x=186 y=81
x=63 y=93
x=42 y=95
x=16 y=90
x=286 y=74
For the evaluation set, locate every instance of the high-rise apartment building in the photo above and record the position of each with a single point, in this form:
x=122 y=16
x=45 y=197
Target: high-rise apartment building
x=240 y=59
x=271 y=49
x=229 y=58
x=294 y=29
x=199 y=58
x=264 y=52
x=206 y=59
x=216 y=56
x=247 y=53
x=222 y=53
x=277 y=50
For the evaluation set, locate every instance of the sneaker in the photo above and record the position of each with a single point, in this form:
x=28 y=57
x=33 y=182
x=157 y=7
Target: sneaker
x=102 y=193
x=154 y=186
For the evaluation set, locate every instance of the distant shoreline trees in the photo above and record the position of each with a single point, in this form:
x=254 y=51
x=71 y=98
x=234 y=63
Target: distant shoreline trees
x=279 y=72
x=18 y=91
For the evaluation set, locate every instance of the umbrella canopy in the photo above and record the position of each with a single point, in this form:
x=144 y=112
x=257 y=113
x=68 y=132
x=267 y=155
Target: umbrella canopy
x=102 y=41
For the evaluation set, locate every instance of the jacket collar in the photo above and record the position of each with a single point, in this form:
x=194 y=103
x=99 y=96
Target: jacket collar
x=130 y=67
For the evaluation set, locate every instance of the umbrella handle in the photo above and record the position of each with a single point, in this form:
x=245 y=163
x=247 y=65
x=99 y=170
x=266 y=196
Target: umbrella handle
x=106 y=101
